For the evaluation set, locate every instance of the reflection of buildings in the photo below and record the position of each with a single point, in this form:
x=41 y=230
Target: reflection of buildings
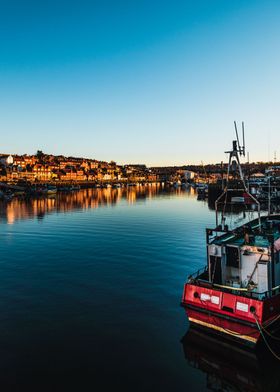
x=22 y=209
x=18 y=209
x=229 y=368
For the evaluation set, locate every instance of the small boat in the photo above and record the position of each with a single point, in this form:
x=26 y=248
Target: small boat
x=19 y=193
x=237 y=293
x=51 y=190
x=75 y=188
x=6 y=195
x=237 y=199
x=176 y=184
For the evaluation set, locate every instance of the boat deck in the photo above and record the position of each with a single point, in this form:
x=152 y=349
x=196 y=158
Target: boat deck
x=257 y=235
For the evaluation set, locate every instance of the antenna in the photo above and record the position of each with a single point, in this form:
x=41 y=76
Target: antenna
x=243 y=135
x=240 y=150
x=236 y=132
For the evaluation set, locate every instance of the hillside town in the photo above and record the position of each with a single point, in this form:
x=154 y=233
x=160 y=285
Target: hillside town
x=46 y=168
x=49 y=168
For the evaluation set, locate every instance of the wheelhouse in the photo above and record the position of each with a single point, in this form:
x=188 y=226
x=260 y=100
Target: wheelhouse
x=245 y=261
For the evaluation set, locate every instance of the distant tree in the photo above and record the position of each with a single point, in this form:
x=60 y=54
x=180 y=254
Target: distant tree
x=40 y=155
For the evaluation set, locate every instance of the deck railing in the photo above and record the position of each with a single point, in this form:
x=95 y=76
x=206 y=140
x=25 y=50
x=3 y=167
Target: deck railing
x=200 y=278
x=199 y=273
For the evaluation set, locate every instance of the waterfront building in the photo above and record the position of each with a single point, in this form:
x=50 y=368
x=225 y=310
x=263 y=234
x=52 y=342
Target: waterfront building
x=10 y=160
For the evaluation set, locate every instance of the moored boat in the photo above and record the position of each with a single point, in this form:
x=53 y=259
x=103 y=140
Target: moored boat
x=237 y=293
x=75 y=187
x=51 y=190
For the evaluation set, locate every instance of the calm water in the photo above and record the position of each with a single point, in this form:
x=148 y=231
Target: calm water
x=90 y=289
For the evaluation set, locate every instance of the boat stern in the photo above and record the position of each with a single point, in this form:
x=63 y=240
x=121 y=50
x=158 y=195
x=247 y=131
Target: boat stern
x=223 y=313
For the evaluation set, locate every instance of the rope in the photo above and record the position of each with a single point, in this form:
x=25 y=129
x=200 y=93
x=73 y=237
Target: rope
x=264 y=339
x=230 y=287
x=261 y=329
x=268 y=333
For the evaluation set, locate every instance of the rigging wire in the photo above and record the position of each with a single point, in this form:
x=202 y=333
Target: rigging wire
x=264 y=338
x=268 y=333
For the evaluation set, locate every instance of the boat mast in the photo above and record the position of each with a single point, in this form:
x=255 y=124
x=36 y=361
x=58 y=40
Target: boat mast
x=269 y=195
x=236 y=151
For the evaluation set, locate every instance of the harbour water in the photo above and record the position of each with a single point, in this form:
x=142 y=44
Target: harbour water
x=91 y=283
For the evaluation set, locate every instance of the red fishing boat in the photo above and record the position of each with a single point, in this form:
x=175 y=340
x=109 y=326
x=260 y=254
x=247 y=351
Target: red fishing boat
x=237 y=293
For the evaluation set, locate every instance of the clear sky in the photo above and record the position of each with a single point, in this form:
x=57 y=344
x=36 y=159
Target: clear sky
x=140 y=81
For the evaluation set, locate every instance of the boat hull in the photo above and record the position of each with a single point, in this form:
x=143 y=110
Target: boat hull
x=232 y=330
x=233 y=316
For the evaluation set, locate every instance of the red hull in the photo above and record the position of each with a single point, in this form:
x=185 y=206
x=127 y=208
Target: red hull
x=232 y=315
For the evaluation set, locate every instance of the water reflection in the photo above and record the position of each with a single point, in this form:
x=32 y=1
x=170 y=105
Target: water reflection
x=84 y=199
x=231 y=368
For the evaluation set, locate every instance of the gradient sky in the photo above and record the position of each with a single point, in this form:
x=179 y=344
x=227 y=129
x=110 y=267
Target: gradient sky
x=143 y=81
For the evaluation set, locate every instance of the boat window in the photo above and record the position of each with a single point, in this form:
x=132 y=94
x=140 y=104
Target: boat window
x=232 y=254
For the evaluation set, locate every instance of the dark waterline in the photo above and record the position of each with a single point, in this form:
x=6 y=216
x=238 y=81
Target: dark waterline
x=90 y=289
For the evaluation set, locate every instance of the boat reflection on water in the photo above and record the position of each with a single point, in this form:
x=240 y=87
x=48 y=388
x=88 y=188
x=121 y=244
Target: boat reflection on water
x=231 y=368
x=18 y=209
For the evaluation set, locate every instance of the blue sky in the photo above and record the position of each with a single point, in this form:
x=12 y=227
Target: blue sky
x=155 y=82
